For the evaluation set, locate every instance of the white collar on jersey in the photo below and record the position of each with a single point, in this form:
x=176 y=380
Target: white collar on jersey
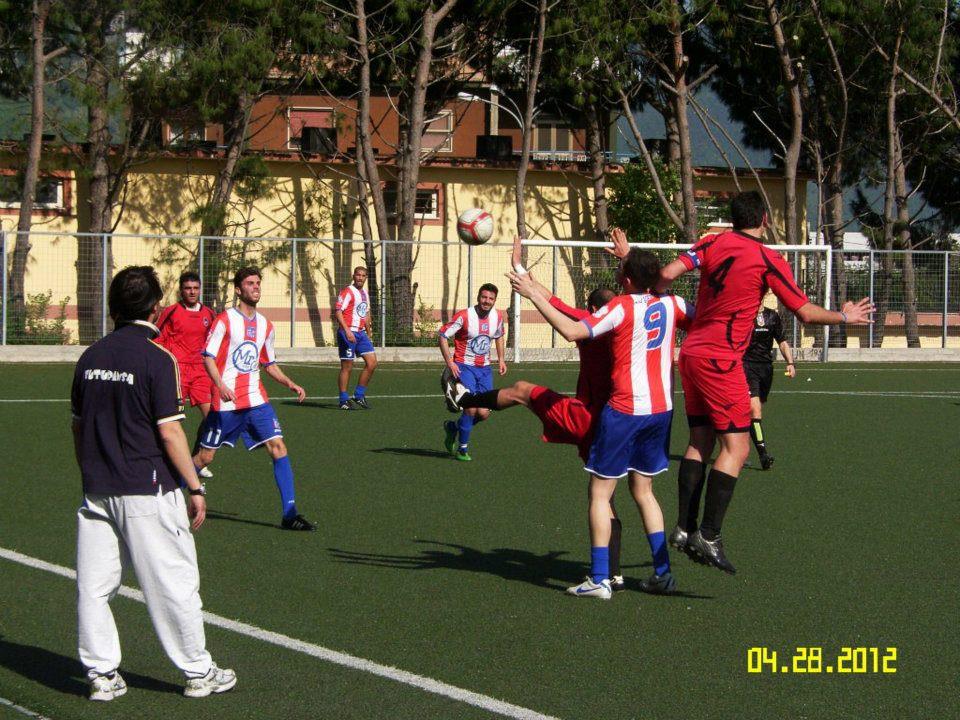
x=147 y=324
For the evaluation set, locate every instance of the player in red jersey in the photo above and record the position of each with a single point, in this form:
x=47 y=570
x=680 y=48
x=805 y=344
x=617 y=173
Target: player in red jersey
x=183 y=331
x=736 y=269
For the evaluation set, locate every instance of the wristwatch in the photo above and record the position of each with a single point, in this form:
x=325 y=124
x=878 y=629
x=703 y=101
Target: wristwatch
x=202 y=490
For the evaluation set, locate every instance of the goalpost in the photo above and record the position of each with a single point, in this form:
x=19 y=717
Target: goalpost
x=571 y=269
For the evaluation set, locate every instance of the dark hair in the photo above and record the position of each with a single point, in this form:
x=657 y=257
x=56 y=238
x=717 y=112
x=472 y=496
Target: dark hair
x=134 y=293
x=188 y=276
x=245 y=272
x=747 y=210
x=599 y=297
x=642 y=267
x=488 y=287
x=361 y=267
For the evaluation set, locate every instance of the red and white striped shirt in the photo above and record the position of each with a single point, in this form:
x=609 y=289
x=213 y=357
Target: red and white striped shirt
x=240 y=346
x=354 y=303
x=644 y=328
x=473 y=334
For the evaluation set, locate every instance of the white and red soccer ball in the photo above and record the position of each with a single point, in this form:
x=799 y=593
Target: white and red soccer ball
x=475 y=226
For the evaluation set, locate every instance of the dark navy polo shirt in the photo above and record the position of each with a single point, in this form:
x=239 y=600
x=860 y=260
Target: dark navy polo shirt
x=124 y=387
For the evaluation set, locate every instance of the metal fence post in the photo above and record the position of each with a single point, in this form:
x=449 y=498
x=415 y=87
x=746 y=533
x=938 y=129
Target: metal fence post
x=3 y=254
x=469 y=274
x=293 y=292
x=200 y=259
x=870 y=326
x=553 y=289
x=105 y=271
x=946 y=296
x=383 y=292
x=516 y=327
x=827 y=290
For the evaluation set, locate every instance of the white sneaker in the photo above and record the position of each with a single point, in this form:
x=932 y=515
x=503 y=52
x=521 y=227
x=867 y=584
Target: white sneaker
x=617 y=583
x=205 y=473
x=215 y=681
x=588 y=588
x=107 y=687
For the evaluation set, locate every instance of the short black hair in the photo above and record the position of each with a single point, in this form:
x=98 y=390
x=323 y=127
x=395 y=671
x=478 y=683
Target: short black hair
x=488 y=287
x=747 y=210
x=134 y=293
x=599 y=297
x=188 y=276
x=642 y=267
x=245 y=272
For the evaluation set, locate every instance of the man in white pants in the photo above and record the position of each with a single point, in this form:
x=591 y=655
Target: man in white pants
x=132 y=452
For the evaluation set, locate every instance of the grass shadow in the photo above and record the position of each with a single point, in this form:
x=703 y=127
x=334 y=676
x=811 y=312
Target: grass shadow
x=419 y=452
x=234 y=517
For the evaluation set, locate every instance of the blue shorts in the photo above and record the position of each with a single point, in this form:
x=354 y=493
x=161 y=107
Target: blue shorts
x=257 y=425
x=624 y=443
x=353 y=350
x=476 y=379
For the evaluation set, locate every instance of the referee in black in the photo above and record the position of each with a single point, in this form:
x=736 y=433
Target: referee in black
x=132 y=453
x=758 y=366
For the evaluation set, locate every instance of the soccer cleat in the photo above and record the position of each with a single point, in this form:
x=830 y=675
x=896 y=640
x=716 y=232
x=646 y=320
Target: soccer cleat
x=588 y=588
x=678 y=538
x=105 y=688
x=298 y=522
x=345 y=405
x=617 y=583
x=453 y=390
x=463 y=457
x=361 y=402
x=450 y=439
x=766 y=461
x=217 y=680
x=710 y=552
x=205 y=473
x=665 y=584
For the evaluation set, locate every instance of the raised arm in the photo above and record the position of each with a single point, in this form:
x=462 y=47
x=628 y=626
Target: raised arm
x=858 y=313
x=571 y=330
x=670 y=272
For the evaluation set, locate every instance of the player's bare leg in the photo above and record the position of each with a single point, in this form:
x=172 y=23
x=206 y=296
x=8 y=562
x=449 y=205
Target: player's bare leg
x=662 y=581
x=597 y=583
x=756 y=433
x=616 y=530
x=203 y=457
x=204 y=408
x=283 y=474
x=343 y=381
x=517 y=394
x=360 y=393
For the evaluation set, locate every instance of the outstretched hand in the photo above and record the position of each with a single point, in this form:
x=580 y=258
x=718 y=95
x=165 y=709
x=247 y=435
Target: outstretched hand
x=516 y=257
x=621 y=247
x=859 y=313
x=524 y=284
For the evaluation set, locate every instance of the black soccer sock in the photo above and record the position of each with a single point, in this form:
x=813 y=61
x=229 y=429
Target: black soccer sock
x=690 y=487
x=615 y=529
x=756 y=434
x=486 y=399
x=196 y=441
x=719 y=494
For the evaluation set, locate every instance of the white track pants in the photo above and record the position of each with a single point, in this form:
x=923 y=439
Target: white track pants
x=151 y=533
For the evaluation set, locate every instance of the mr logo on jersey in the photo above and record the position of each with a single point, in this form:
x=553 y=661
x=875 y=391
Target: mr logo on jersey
x=244 y=358
x=361 y=309
x=480 y=345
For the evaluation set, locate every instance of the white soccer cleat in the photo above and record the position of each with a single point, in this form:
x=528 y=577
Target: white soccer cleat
x=617 y=583
x=105 y=688
x=453 y=390
x=588 y=588
x=215 y=681
x=205 y=473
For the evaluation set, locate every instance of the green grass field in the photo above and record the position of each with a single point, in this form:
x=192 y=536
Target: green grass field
x=455 y=572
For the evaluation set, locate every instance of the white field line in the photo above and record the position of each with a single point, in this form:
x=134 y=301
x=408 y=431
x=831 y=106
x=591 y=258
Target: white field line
x=22 y=710
x=430 y=685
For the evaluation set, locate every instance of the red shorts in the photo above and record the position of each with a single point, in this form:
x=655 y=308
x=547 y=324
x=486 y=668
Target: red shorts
x=715 y=393
x=195 y=385
x=565 y=419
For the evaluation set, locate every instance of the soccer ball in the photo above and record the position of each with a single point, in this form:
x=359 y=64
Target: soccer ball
x=475 y=226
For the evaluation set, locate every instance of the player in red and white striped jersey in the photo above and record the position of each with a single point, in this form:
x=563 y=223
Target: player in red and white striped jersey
x=633 y=437
x=352 y=311
x=240 y=343
x=472 y=330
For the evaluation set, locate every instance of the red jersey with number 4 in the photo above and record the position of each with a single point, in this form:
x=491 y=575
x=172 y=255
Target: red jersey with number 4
x=644 y=328
x=735 y=272
x=594 y=382
x=183 y=331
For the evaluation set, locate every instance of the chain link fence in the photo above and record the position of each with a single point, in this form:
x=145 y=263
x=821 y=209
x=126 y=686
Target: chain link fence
x=55 y=293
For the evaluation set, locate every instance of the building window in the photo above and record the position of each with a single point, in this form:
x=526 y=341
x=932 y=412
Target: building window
x=426 y=206
x=438 y=133
x=553 y=138
x=299 y=118
x=185 y=134
x=49 y=193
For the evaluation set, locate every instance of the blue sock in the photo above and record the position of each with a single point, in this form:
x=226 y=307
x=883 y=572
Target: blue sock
x=283 y=474
x=658 y=548
x=360 y=392
x=600 y=563
x=465 y=425
x=343 y=397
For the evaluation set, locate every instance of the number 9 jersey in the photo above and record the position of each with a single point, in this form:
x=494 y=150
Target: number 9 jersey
x=735 y=272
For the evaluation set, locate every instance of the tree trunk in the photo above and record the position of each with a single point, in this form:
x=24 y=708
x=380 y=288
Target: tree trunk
x=833 y=225
x=598 y=176
x=533 y=61
x=679 y=101
x=910 y=326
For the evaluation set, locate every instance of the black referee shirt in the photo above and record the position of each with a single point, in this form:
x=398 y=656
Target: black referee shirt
x=767 y=328
x=124 y=387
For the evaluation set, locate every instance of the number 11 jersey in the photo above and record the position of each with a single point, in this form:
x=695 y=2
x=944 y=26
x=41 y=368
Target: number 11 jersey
x=735 y=272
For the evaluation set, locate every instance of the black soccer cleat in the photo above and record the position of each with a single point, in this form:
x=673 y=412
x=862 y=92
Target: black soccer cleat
x=678 y=539
x=346 y=405
x=665 y=584
x=617 y=583
x=766 y=461
x=298 y=522
x=709 y=552
x=361 y=402
x=453 y=390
